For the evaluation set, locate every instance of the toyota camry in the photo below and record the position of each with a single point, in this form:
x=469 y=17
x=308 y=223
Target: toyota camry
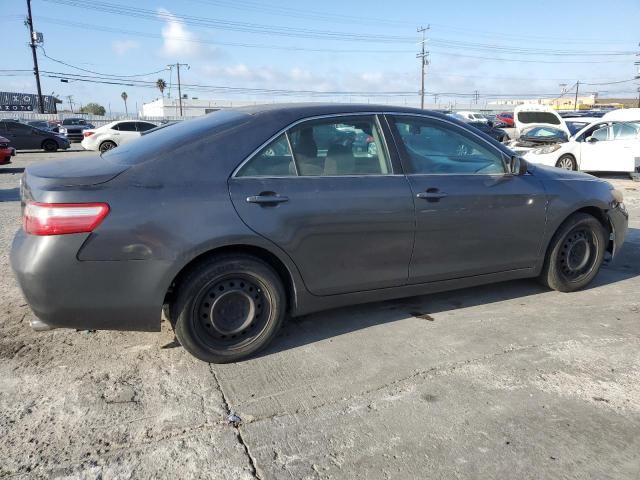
x=235 y=220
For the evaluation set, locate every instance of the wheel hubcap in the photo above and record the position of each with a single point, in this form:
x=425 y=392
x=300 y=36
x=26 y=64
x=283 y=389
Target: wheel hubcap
x=566 y=163
x=232 y=310
x=578 y=254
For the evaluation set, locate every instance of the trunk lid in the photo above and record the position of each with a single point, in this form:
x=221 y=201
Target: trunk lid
x=82 y=173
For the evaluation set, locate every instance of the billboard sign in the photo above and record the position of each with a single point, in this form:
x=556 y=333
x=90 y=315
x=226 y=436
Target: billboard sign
x=25 y=102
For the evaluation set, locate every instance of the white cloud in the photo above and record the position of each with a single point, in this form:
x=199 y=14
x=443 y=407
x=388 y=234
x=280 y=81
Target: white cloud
x=178 y=41
x=120 y=47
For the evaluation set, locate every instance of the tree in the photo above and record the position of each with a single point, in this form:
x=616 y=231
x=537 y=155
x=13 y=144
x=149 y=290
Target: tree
x=93 y=109
x=124 y=97
x=161 y=84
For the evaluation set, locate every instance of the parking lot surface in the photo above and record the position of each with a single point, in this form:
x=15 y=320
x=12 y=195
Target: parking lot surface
x=502 y=381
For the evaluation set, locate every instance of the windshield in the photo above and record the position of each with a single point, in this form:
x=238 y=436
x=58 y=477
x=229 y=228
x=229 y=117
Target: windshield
x=74 y=121
x=575 y=127
x=544 y=133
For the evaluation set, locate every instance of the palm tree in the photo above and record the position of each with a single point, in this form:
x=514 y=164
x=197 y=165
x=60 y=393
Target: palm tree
x=124 y=97
x=161 y=84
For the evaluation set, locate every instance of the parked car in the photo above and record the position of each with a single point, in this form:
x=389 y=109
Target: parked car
x=6 y=151
x=113 y=134
x=239 y=237
x=26 y=137
x=41 y=124
x=160 y=127
x=473 y=116
x=73 y=128
x=506 y=118
x=607 y=144
x=485 y=127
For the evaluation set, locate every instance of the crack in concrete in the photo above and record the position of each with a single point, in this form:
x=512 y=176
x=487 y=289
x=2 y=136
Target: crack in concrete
x=441 y=369
x=252 y=461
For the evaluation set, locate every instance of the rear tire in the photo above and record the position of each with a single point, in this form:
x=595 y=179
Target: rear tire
x=575 y=253
x=228 y=308
x=106 y=146
x=567 y=162
x=50 y=145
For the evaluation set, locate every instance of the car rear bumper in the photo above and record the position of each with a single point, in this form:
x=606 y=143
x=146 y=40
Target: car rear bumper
x=64 y=292
x=89 y=144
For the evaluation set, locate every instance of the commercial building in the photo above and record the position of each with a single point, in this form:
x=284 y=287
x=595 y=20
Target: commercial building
x=16 y=102
x=191 y=107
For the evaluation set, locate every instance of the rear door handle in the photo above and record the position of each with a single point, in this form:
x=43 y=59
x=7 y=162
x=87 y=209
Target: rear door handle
x=264 y=199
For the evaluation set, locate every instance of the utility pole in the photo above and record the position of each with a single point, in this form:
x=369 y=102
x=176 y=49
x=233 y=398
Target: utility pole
x=637 y=76
x=70 y=98
x=424 y=61
x=575 y=102
x=178 y=65
x=33 y=41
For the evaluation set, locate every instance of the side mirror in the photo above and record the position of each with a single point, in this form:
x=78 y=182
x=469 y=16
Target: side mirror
x=592 y=139
x=517 y=165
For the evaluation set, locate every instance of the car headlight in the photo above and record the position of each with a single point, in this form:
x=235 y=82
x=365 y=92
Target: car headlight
x=62 y=130
x=545 y=149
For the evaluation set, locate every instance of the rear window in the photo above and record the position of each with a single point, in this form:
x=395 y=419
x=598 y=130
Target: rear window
x=538 y=117
x=147 y=146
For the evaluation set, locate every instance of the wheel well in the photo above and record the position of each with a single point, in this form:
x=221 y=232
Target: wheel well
x=48 y=140
x=258 y=252
x=597 y=213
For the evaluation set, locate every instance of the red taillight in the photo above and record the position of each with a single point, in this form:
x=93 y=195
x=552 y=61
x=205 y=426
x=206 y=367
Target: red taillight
x=62 y=218
x=87 y=134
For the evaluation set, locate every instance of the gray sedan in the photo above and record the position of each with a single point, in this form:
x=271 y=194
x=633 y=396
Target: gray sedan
x=235 y=220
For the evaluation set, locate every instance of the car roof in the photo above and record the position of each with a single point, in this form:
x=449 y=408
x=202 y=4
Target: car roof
x=311 y=109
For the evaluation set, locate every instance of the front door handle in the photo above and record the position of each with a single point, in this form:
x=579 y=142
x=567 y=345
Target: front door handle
x=267 y=199
x=431 y=194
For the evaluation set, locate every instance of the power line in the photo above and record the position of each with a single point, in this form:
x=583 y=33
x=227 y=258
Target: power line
x=94 y=27
x=97 y=73
x=318 y=34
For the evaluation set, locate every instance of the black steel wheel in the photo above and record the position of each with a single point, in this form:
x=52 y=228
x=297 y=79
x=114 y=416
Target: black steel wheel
x=107 y=145
x=228 y=308
x=575 y=254
x=50 y=145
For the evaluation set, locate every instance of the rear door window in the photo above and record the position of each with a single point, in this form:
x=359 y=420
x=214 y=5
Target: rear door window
x=126 y=127
x=340 y=146
x=144 y=126
x=274 y=160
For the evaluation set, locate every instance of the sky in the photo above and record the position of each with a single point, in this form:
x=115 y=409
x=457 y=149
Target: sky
x=334 y=50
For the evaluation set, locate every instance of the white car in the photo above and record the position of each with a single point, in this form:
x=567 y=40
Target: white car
x=607 y=144
x=473 y=117
x=113 y=134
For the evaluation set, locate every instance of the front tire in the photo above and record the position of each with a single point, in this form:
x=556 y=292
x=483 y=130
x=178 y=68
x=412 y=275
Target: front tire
x=575 y=253
x=50 y=145
x=228 y=308
x=567 y=162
